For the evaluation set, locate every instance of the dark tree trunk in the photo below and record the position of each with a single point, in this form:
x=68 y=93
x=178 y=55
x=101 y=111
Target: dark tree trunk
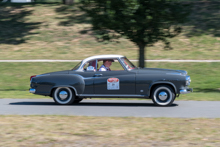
x=141 y=54
x=68 y=2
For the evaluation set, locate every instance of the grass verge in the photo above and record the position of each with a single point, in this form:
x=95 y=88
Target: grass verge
x=107 y=131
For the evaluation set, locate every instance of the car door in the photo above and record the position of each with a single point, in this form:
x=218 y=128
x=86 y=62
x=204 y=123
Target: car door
x=114 y=82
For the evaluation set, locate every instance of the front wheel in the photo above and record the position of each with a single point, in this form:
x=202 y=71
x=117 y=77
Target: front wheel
x=63 y=96
x=163 y=95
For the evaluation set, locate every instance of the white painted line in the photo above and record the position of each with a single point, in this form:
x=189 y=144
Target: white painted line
x=40 y=60
x=44 y=60
x=180 y=60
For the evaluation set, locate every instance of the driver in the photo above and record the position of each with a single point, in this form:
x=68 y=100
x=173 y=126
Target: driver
x=106 y=64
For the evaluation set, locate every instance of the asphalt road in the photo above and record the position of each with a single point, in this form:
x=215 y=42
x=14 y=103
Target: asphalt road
x=118 y=108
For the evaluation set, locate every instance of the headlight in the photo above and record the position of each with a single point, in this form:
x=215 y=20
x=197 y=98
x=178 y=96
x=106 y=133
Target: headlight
x=188 y=80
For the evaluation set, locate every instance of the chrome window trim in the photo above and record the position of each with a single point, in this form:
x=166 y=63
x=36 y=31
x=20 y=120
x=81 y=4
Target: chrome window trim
x=78 y=67
x=124 y=64
x=119 y=60
x=82 y=65
x=96 y=68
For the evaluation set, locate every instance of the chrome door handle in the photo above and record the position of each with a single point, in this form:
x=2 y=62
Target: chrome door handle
x=98 y=75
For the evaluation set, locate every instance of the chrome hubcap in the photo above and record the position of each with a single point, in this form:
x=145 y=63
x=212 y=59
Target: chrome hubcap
x=63 y=95
x=163 y=96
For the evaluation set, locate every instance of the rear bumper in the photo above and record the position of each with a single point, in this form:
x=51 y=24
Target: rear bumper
x=185 y=91
x=32 y=90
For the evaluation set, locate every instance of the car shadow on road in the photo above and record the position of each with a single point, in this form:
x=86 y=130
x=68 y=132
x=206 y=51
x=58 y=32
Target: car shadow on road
x=34 y=103
x=119 y=104
x=98 y=104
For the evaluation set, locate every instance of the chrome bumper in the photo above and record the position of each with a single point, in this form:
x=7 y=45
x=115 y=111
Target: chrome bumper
x=32 y=90
x=185 y=91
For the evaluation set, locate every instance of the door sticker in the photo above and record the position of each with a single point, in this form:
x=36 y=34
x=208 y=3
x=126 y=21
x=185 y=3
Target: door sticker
x=113 y=84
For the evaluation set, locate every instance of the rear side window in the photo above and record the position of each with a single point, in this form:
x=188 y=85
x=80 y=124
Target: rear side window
x=77 y=66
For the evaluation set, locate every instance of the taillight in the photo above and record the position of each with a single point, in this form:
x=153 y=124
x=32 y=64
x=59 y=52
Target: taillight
x=32 y=77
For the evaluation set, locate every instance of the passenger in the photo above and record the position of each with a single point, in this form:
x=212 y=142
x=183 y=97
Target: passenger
x=106 y=64
x=92 y=63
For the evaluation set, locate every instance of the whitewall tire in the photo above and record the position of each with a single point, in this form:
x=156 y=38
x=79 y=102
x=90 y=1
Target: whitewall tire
x=163 y=95
x=63 y=96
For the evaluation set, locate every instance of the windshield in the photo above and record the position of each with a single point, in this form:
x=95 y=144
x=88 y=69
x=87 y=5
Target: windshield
x=77 y=66
x=128 y=63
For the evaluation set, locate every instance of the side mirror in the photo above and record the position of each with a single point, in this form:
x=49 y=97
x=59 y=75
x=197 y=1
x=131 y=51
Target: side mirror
x=90 y=68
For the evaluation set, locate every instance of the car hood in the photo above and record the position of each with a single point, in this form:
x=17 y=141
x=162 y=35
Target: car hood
x=160 y=71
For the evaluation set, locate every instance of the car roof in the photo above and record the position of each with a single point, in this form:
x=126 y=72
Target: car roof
x=98 y=57
x=102 y=57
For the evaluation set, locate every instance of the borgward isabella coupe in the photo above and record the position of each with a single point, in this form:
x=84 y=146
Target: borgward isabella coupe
x=123 y=81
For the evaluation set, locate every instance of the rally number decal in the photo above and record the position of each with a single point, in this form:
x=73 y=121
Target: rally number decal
x=113 y=84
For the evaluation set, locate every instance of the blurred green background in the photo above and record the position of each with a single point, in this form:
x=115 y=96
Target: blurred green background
x=50 y=30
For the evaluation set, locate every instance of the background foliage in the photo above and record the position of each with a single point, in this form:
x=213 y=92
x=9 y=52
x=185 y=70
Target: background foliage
x=50 y=30
x=142 y=22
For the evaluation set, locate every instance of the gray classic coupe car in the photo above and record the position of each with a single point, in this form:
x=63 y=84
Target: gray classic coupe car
x=111 y=76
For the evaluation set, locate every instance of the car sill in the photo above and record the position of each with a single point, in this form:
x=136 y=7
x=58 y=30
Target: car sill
x=113 y=95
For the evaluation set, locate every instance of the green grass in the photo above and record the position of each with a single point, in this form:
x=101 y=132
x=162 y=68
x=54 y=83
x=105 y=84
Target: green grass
x=15 y=82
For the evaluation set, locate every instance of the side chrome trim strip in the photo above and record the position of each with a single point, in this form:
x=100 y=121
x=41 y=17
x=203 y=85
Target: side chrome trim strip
x=183 y=71
x=113 y=95
x=173 y=73
x=42 y=75
x=84 y=77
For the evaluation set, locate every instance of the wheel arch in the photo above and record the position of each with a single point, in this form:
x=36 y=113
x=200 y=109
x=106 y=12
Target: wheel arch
x=71 y=87
x=151 y=88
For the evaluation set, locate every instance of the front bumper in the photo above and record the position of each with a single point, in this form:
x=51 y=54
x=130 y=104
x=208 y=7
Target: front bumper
x=185 y=91
x=32 y=90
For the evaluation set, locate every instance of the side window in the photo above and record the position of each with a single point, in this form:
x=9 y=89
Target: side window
x=127 y=64
x=114 y=66
x=90 y=66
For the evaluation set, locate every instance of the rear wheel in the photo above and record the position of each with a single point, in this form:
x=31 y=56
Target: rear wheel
x=63 y=96
x=163 y=95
